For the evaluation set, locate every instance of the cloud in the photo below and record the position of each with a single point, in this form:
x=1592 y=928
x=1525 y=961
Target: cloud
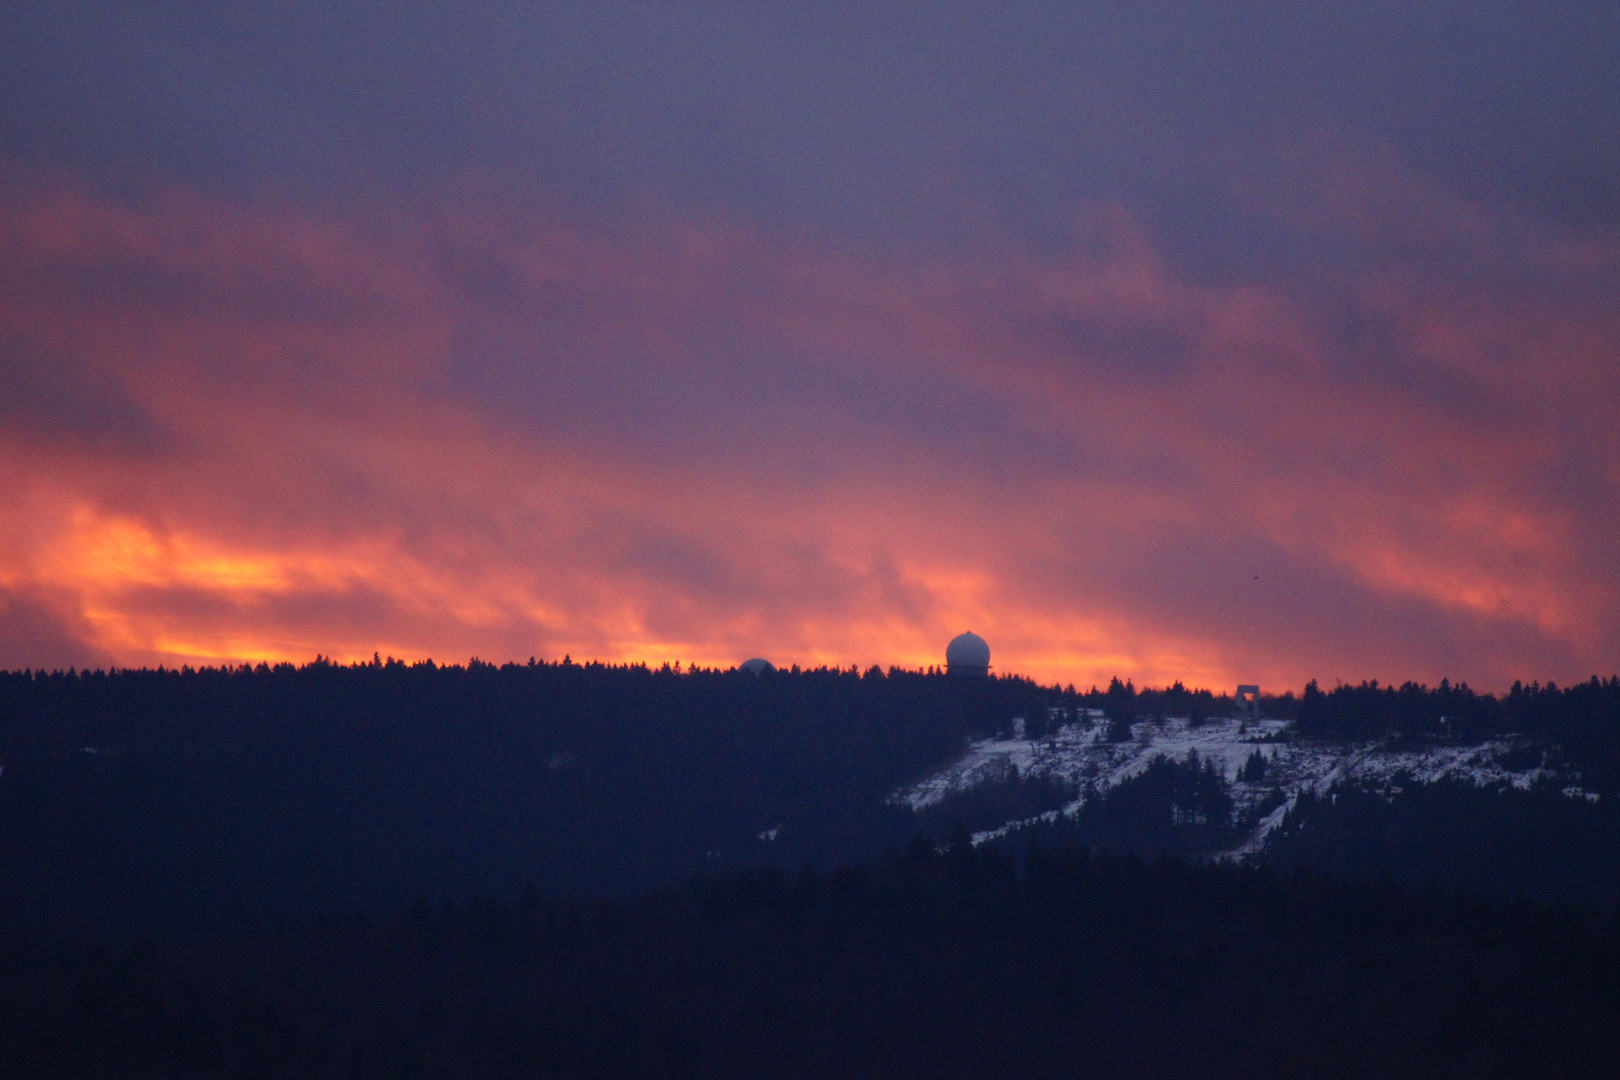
x=65 y=405
x=36 y=633
x=489 y=424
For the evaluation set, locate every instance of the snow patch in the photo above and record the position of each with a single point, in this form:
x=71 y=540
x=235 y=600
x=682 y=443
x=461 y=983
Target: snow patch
x=1077 y=754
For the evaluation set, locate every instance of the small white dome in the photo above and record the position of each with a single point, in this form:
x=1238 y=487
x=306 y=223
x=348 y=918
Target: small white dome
x=968 y=654
x=757 y=666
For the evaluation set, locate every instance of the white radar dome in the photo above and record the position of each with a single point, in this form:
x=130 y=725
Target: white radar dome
x=757 y=666
x=968 y=654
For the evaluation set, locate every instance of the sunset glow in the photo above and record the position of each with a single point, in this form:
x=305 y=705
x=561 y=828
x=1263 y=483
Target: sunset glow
x=1312 y=409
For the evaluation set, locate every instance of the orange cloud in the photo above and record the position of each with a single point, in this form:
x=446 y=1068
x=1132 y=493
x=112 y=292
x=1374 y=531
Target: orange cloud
x=490 y=432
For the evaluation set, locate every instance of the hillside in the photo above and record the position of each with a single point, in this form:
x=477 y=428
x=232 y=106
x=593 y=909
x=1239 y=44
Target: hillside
x=1505 y=814
x=139 y=801
x=1081 y=756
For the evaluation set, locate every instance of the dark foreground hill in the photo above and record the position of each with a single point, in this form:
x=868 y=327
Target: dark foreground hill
x=926 y=964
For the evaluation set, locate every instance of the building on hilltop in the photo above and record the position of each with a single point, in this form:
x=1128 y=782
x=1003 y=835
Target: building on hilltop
x=1248 y=700
x=967 y=654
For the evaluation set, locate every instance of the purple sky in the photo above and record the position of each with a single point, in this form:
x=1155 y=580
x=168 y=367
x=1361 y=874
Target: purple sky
x=1221 y=342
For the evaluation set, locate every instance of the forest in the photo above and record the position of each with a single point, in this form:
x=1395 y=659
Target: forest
x=146 y=800
x=561 y=869
x=141 y=801
x=923 y=963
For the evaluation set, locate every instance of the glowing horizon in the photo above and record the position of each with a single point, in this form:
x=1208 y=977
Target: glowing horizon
x=739 y=368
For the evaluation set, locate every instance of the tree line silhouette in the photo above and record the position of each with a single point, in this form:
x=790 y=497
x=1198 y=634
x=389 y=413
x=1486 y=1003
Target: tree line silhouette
x=160 y=798
x=1583 y=717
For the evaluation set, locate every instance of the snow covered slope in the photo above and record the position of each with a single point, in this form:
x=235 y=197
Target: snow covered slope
x=1078 y=754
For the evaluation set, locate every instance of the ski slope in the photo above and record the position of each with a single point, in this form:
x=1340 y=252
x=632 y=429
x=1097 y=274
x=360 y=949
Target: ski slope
x=1077 y=753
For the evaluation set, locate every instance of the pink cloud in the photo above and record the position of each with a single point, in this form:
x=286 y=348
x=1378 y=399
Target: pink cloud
x=487 y=430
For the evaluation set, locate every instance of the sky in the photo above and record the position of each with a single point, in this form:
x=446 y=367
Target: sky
x=1222 y=342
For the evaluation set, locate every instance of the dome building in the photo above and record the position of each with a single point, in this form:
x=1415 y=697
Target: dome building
x=967 y=654
x=757 y=666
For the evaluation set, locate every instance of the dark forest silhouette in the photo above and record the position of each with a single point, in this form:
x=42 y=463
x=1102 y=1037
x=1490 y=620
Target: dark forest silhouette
x=142 y=800
x=715 y=882
x=155 y=799
x=960 y=963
